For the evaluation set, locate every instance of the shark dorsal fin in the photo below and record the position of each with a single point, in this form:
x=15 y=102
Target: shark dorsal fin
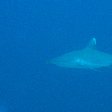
x=92 y=43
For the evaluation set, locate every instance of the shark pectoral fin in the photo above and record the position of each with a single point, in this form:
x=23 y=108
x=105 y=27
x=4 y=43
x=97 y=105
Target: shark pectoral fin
x=92 y=43
x=94 y=69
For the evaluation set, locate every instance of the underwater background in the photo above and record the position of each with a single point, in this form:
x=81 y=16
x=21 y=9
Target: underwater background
x=32 y=32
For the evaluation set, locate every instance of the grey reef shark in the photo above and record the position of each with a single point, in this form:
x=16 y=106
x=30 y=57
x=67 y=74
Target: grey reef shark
x=86 y=58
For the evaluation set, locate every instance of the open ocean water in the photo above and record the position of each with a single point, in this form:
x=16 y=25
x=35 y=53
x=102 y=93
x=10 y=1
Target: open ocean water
x=35 y=31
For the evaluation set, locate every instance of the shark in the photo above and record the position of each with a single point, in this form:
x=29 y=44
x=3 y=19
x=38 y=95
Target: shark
x=87 y=58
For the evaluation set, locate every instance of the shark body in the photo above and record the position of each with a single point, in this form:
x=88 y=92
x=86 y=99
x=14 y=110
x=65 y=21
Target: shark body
x=88 y=57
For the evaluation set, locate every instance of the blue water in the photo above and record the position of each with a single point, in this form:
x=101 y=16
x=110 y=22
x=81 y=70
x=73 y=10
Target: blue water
x=35 y=31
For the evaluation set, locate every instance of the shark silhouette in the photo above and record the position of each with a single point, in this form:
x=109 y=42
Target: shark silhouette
x=88 y=58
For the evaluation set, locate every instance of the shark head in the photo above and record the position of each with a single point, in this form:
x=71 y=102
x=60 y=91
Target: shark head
x=87 y=57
